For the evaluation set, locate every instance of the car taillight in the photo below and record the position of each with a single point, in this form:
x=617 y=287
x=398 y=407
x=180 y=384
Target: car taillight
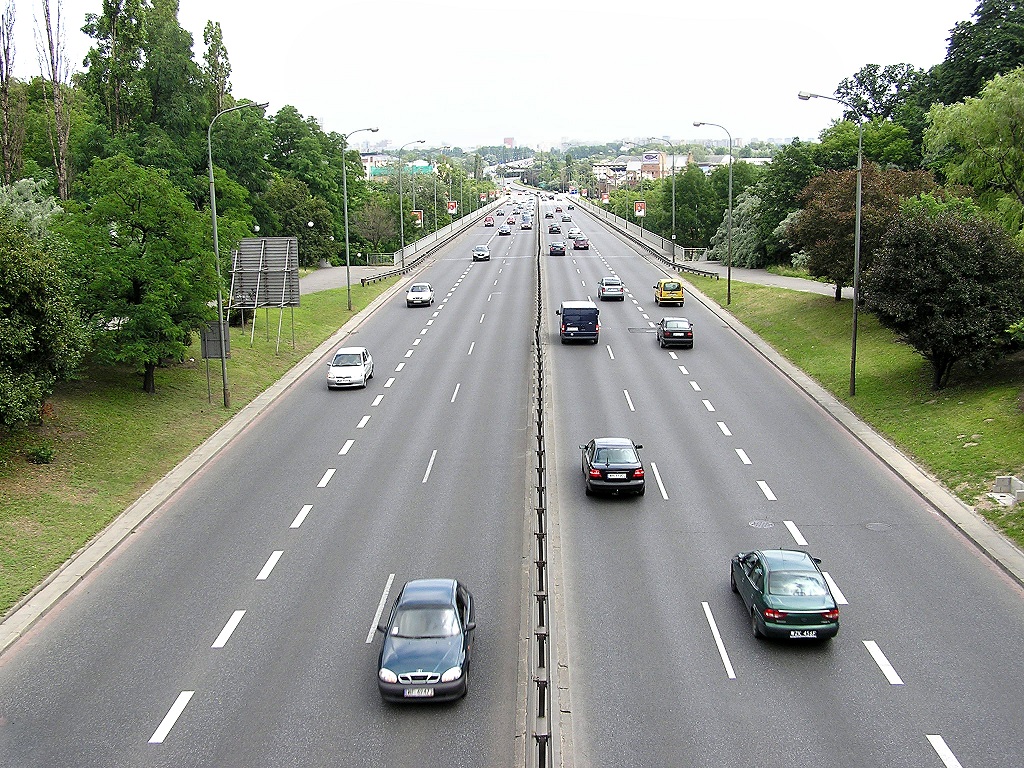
x=638 y=472
x=597 y=326
x=774 y=615
x=563 y=327
x=595 y=472
x=832 y=615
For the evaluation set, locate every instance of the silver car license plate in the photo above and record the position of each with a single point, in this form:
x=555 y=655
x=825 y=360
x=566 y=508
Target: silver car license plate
x=418 y=693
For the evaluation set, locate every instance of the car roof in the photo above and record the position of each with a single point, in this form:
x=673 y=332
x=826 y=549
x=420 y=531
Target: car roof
x=349 y=350
x=612 y=442
x=415 y=284
x=675 y=320
x=428 y=592
x=578 y=305
x=788 y=560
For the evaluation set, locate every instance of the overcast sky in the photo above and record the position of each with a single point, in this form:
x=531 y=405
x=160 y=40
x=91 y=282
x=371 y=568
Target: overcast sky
x=465 y=73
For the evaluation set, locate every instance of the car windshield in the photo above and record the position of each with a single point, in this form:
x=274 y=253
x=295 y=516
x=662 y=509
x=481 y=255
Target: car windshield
x=418 y=289
x=429 y=621
x=615 y=456
x=348 y=358
x=796 y=584
x=677 y=324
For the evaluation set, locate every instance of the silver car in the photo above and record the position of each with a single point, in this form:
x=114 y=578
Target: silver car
x=350 y=367
x=481 y=253
x=611 y=288
x=419 y=295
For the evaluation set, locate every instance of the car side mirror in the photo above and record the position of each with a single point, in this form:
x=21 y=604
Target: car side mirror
x=558 y=311
x=583 y=447
x=470 y=626
x=382 y=628
x=638 y=446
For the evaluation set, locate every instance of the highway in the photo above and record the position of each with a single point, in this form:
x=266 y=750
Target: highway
x=236 y=626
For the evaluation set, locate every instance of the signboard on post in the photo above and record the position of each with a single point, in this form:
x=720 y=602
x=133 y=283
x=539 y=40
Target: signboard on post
x=639 y=208
x=418 y=218
x=483 y=196
x=453 y=207
x=604 y=197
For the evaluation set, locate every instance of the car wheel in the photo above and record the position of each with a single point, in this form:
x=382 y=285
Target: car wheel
x=642 y=491
x=662 y=343
x=754 y=626
x=408 y=303
x=732 y=582
x=589 y=491
x=656 y=302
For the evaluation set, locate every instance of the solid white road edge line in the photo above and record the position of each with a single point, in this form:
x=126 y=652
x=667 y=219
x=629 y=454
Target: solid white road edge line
x=661 y=485
x=171 y=717
x=269 y=566
x=301 y=517
x=718 y=641
x=380 y=608
x=837 y=593
x=326 y=478
x=945 y=753
x=430 y=465
x=225 y=634
x=883 y=663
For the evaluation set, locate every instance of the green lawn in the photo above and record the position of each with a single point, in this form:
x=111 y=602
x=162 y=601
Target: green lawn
x=966 y=434
x=111 y=441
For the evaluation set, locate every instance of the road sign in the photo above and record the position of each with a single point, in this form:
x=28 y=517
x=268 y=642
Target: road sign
x=418 y=218
x=639 y=208
x=453 y=207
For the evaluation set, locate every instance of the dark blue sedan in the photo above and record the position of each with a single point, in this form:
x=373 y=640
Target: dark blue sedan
x=427 y=642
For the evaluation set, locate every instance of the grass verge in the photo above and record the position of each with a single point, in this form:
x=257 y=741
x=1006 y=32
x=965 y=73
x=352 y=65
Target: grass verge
x=110 y=441
x=966 y=434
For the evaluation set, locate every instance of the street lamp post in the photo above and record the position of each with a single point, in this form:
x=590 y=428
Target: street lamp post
x=216 y=245
x=804 y=96
x=401 y=202
x=728 y=226
x=673 y=149
x=344 y=198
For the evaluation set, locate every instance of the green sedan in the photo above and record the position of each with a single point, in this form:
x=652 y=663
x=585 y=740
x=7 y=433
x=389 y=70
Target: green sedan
x=785 y=594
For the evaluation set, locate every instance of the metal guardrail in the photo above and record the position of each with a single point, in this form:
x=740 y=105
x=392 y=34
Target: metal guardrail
x=427 y=245
x=623 y=227
x=540 y=719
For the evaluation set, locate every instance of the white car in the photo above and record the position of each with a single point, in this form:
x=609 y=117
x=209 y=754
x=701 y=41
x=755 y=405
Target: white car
x=350 y=367
x=481 y=253
x=419 y=295
x=573 y=233
x=610 y=288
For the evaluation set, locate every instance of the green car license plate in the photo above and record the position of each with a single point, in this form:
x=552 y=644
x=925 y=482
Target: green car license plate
x=803 y=633
x=418 y=693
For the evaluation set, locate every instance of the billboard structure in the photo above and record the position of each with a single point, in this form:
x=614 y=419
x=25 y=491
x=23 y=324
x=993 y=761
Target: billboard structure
x=265 y=273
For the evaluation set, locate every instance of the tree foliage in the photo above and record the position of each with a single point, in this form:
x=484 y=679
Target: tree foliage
x=825 y=226
x=980 y=142
x=993 y=44
x=878 y=93
x=114 y=64
x=948 y=281
x=148 y=272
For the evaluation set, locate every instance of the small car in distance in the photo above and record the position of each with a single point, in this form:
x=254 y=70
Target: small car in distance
x=500 y=212
x=505 y=229
x=428 y=640
x=785 y=593
x=419 y=295
x=557 y=248
x=558 y=209
x=612 y=465
x=611 y=288
x=554 y=229
x=488 y=221
x=350 y=367
x=668 y=292
x=549 y=215
x=566 y=217
x=527 y=223
x=570 y=207
x=481 y=253
x=581 y=244
x=510 y=220
x=675 y=331
x=574 y=232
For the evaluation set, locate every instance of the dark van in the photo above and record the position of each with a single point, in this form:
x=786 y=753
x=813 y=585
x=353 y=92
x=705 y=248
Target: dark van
x=579 y=321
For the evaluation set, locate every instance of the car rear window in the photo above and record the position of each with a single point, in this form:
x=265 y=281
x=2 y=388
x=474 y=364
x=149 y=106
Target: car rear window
x=615 y=456
x=796 y=584
x=677 y=325
x=672 y=287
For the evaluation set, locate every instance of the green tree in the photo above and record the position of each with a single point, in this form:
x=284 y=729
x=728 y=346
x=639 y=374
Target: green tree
x=747 y=245
x=885 y=142
x=950 y=282
x=777 y=191
x=877 y=92
x=148 y=271
x=993 y=44
x=114 y=64
x=824 y=228
x=289 y=208
x=980 y=142
x=177 y=102
x=42 y=338
x=218 y=68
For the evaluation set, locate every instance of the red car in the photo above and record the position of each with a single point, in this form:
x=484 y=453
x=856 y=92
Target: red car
x=581 y=244
x=510 y=220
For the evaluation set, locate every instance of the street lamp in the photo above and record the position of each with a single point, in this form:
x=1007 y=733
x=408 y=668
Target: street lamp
x=728 y=226
x=216 y=245
x=401 y=204
x=344 y=199
x=655 y=138
x=804 y=96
